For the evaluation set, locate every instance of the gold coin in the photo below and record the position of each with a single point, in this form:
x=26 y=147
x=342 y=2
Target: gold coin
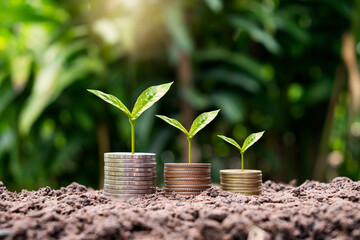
x=130 y=174
x=255 y=192
x=241 y=188
x=258 y=179
x=239 y=171
x=234 y=177
x=240 y=184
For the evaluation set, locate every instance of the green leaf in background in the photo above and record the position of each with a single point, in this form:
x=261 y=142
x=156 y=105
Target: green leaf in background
x=148 y=98
x=230 y=140
x=174 y=123
x=250 y=140
x=201 y=121
x=112 y=100
x=215 y=5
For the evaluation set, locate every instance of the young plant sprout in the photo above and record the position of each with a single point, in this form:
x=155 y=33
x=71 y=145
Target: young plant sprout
x=200 y=122
x=249 y=141
x=144 y=101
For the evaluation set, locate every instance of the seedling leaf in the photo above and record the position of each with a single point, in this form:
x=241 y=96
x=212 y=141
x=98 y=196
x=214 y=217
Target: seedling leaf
x=112 y=100
x=231 y=141
x=201 y=121
x=174 y=122
x=148 y=98
x=251 y=139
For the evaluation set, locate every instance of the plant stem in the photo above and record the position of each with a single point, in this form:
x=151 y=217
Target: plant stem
x=189 y=141
x=132 y=136
x=242 y=161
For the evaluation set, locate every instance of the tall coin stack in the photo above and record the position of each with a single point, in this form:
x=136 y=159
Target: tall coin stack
x=129 y=175
x=247 y=182
x=187 y=179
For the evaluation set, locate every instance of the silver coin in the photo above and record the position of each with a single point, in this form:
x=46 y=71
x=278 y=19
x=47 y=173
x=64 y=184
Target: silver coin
x=127 y=155
x=131 y=183
x=130 y=165
x=130 y=174
x=114 y=169
x=113 y=160
x=127 y=187
x=130 y=179
x=130 y=191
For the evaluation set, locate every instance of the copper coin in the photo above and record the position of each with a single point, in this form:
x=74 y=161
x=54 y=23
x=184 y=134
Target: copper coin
x=183 y=193
x=187 y=175
x=187 y=183
x=204 y=186
x=184 y=189
x=185 y=165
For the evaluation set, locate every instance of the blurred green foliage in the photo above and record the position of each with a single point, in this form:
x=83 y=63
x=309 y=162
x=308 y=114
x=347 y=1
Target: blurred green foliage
x=269 y=64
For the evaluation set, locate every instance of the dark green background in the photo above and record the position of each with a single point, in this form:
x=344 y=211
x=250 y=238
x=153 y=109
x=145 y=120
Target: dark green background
x=269 y=65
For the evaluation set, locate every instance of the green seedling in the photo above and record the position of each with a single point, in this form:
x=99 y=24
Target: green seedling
x=249 y=141
x=199 y=123
x=144 y=101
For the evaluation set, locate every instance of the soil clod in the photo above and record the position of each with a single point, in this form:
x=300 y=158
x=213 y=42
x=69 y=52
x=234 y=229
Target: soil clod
x=312 y=210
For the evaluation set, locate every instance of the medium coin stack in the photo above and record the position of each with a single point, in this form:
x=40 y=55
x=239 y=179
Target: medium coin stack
x=187 y=179
x=129 y=175
x=247 y=182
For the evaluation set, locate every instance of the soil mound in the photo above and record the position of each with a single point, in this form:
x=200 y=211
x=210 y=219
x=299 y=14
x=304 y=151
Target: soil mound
x=313 y=210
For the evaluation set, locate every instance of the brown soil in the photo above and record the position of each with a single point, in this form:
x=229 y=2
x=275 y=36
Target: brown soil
x=311 y=211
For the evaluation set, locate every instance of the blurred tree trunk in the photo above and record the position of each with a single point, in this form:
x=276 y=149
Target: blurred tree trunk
x=348 y=55
x=104 y=146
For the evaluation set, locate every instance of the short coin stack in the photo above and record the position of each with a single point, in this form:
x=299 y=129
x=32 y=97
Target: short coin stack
x=129 y=175
x=247 y=182
x=187 y=179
